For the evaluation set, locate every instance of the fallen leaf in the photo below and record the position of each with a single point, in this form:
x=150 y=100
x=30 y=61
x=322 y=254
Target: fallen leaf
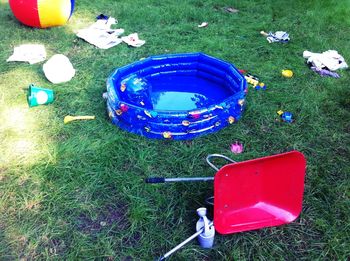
x=32 y=204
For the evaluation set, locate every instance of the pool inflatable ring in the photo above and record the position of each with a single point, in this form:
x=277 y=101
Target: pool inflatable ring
x=42 y=13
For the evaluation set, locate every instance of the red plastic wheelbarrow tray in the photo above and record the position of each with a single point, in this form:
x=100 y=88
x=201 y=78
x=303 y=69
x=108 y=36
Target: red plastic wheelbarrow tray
x=259 y=193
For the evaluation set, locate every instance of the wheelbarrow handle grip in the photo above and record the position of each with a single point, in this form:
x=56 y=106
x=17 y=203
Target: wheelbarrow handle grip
x=155 y=180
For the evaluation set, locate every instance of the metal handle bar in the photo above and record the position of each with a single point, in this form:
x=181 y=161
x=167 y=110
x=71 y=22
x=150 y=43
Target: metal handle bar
x=164 y=180
x=217 y=156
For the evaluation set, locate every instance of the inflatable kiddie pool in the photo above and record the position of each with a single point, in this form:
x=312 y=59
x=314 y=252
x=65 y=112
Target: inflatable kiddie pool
x=175 y=96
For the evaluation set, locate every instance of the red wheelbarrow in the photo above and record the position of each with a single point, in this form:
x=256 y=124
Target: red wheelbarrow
x=259 y=193
x=254 y=194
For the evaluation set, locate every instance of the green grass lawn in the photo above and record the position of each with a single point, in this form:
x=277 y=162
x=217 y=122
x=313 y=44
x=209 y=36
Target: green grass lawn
x=76 y=191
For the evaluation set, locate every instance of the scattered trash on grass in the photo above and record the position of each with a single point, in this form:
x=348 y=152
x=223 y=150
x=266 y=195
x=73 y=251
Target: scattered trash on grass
x=279 y=36
x=103 y=17
x=204 y=24
x=39 y=96
x=231 y=10
x=330 y=59
x=325 y=72
x=100 y=33
x=31 y=53
x=286 y=116
x=287 y=73
x=70 y=118
x=326 y=62
x=58 y=69
x=102 y=36
x=133 y=40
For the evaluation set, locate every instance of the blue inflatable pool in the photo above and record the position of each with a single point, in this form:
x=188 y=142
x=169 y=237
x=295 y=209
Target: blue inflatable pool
x=175 y=96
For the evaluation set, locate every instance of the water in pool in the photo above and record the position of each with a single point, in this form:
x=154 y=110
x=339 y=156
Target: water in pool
x=177 y=93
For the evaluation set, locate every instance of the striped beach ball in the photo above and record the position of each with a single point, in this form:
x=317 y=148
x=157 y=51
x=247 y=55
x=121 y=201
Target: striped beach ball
x=42 y=13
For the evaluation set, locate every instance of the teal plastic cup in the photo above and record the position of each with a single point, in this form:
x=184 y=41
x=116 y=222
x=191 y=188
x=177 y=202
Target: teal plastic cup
x=39 y=96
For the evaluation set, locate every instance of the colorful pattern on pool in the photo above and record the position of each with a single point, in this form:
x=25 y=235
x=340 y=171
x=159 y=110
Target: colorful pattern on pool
x=176 y=96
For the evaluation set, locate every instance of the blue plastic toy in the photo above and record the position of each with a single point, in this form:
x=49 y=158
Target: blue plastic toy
x=175 y=96
x=286 y=116
x=260 y=86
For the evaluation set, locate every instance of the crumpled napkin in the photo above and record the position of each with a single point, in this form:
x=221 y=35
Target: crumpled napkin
x=133 y=40
x=31 y=53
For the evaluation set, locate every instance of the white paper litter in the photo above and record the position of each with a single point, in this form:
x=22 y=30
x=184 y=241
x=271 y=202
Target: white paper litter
x=330 y=59
x=103 y=24
x=133 y=40
x=204 y=24
x=101 y=35
x=58 y=69
x=279 y=36
x=31 y=53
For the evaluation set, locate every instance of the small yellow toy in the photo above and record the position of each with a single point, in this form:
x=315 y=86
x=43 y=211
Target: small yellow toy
x=254 y=80
x=69 y=118
x=287 y=73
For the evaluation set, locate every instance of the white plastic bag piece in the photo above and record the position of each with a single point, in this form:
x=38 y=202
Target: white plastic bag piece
x=204 y=24
x=101 y=35
x=31 y=53
x=133 y=40
x=103 y=24
x=330 y=59
x=58 y=69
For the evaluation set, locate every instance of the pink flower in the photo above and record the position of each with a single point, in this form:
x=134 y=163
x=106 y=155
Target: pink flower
x=237 y=147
